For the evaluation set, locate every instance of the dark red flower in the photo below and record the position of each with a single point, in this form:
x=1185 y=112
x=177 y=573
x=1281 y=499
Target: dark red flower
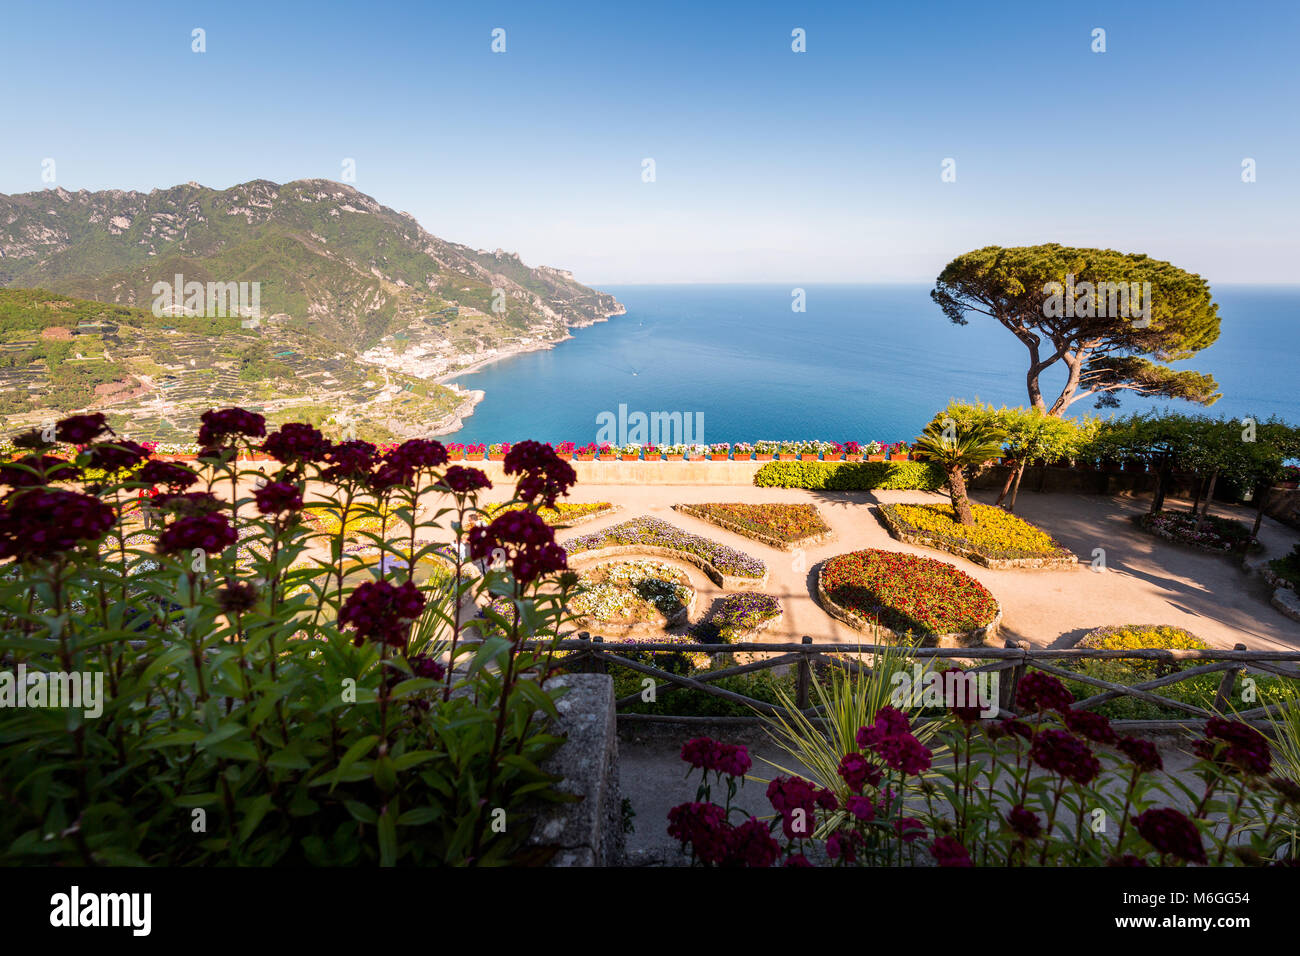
x=751 y=844
x=1128 y=859
x=1065 y=754
x=295 y=442
x=166 y=473
x=462 y=480
x=703 y=827
x=710 y=755
x=237 y=597
x=839 y=846
x=276 y=497
x=382 y=613
x=423 y=665
x=889 y=722
x=115 y=455
x=400 y=465
x=544 y=476
x=1039 y=691
x=527 y=542
x=1093 y=726
x=188 y=504
x=209 y=532
x=349 y=460
x=857 y=771
x=795 y=799
x=1246 y=748
x=1024 y=822
x=860 y=807
x=969 y=710
x=1009 y=727
x=81 y=429
x=42 y=523
x=909 y=828
x=797 y=860
x=1171 y=833
x=1143 y=753
x=948 y=851
x=220 y=425
x=32 y=471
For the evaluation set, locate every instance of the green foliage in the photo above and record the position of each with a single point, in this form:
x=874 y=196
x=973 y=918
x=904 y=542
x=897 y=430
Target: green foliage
x=1105 y=353
x=849 y=475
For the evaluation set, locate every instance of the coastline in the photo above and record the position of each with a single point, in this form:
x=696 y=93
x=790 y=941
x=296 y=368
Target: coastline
x=456 y=420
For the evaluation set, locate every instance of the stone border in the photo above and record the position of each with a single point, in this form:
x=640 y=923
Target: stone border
x=1288 y=602
x=892 y=525
x=726 y=581
x=1273 y=579
x=640 y=628
x=724 y=524
x=885 y=635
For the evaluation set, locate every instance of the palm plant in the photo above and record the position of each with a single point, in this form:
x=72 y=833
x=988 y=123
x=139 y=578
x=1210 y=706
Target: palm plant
x=954 y=446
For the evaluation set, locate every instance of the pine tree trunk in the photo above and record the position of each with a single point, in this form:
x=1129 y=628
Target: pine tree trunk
x=1209 y=494
x=1006 y=485
x=960 y=503
x=1200 y=486
x=1015 y=488
x=1162 y=485
x=1261 y=495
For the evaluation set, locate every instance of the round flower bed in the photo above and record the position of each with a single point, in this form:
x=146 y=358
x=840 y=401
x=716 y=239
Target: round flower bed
x=996 y=540
x=778 y=525
x=1220 y=535
x=633 y=596
x=890 y=595
x=725 y=566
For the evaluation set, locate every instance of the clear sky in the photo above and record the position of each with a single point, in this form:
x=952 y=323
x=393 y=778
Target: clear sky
x=770 y=164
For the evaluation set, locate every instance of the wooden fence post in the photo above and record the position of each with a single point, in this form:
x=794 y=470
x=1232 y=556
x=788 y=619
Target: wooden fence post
x=1228 y=684
x=599 y=665
x=805 y=673
x=584 y=655
x=1011 y=678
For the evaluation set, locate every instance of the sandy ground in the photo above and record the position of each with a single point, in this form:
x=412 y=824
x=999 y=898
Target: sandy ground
x=1147 y=581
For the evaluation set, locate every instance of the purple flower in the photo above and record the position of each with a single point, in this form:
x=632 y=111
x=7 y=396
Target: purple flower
x=948 y=851
x=166 y=473
x=209 y=532
x=857 y=771
x=1085 y=723
x=462 y=481
x=1039 y=691
x=382 y=613
x=710 y=755
x=42 y=523
x=81 y=429
x=861 y=807
x=1171 y=833
x=276 y=497
x=544 y=476
x=295 y=442
x=220 y=425
x=1143 y=753
x=1024 y=822
x=1065 y=754
x=525 y=539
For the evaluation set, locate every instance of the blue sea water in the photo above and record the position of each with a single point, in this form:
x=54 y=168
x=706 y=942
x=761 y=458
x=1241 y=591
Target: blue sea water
x=864 y=362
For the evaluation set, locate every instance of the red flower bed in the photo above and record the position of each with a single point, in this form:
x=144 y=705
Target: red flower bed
x=907 y=592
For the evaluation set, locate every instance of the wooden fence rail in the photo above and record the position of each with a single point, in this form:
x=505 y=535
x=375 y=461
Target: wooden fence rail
x=1012 y=661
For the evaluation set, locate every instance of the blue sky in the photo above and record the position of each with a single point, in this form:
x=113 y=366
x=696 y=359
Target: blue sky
x=770 y=165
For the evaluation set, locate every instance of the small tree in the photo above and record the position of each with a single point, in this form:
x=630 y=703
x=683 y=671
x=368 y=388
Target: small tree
x=953 y=447
x=1114 y=320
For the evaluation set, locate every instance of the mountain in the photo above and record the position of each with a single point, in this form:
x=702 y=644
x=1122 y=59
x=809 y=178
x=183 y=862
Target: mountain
x=324 y=254
x=359 y=312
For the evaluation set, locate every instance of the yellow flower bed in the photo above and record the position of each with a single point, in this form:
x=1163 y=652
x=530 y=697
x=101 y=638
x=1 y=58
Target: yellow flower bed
x=995 y=534
x=325 y=519
x=561 y=514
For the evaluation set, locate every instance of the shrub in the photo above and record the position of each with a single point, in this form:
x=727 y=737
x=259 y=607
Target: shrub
x=995 y=534
x=850 y=475
x=1218 y=534
x=763 y=685
x=904 y=592
x=1288 y=568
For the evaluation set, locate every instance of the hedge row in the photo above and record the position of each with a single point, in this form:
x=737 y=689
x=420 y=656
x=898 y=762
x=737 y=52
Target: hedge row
x=850 y=476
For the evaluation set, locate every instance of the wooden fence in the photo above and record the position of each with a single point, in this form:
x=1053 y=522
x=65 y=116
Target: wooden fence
x=1012 y=662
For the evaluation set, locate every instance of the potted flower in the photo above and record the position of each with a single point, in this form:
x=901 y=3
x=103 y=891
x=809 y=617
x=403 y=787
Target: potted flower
x=1290 y=476
x=674 y=452
x=719 y=452
x=455 y=451
x=652 y=453
x=787 y=451
x=498 y=452
x=564 y=450
x=586 y=452
x=899 y=451
x=852 y=451
x=630 y=453
x=810 y=450
x=475 y=452
x=764 y=450
x=742 y=451
x=832 y=451
x=875 y=451
x=606 y=452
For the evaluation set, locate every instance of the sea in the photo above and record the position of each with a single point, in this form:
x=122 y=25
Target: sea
x=861 y=363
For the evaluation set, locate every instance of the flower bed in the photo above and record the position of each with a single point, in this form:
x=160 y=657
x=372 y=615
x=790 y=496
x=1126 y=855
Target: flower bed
x=325 y=520
x=1284 y=572
x=850 y=476
x=564 y=514
x=996 y=540
x=633 y=595
x=891 y=595
x=738 y=616
x=1220 y=535
x=783 y=526
x=727 y=567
